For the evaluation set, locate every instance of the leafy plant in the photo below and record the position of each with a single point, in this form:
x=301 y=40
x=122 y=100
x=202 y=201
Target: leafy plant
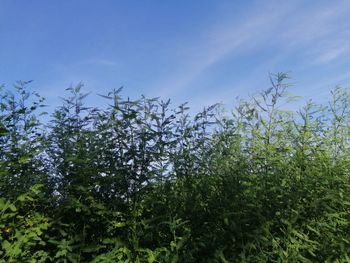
x=142 y=181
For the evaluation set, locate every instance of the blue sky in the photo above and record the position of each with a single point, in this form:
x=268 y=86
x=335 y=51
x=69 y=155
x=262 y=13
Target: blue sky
x=201 y=51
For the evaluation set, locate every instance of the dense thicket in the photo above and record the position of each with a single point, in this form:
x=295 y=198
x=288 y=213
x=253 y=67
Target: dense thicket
x=138 y=181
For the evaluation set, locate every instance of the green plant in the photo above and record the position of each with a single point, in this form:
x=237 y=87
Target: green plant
x=140 y=181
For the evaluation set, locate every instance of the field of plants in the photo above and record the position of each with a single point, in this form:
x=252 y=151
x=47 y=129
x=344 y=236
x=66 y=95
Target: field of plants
x=144 y=181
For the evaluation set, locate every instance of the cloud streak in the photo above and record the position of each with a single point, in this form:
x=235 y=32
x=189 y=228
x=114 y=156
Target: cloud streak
x=221 y=41
x=99 y=62
x=317 y=35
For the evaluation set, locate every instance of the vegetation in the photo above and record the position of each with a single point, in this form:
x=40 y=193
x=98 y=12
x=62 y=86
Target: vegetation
x=138 y=181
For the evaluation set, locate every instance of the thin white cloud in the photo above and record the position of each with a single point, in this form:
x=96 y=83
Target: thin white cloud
x=222 y=40
x=306 y=26
x=321 y=32
x=330 y=54
x=318 y=34
x=99 y=62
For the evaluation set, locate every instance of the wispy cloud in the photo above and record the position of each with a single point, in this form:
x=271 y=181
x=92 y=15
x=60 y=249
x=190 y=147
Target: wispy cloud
x=222 y=40
x=321 y=32
x=99 y=62
x=312 y=23
x=329 y=54
x=317 y=34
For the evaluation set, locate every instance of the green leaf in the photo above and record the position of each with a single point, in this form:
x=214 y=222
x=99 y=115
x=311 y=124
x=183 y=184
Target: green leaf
x=24 y=160
x=12 y=207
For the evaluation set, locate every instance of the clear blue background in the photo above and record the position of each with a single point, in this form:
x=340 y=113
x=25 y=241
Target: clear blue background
x=201 y=51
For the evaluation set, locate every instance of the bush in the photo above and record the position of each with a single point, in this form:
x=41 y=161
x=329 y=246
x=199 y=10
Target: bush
x=138 y=181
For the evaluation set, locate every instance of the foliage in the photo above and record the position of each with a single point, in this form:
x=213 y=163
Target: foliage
x=138 y=181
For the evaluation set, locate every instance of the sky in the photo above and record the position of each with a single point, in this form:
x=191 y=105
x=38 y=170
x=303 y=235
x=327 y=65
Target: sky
x=200 y=51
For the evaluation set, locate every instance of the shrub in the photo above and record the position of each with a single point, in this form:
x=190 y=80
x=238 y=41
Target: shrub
x=139 y=181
